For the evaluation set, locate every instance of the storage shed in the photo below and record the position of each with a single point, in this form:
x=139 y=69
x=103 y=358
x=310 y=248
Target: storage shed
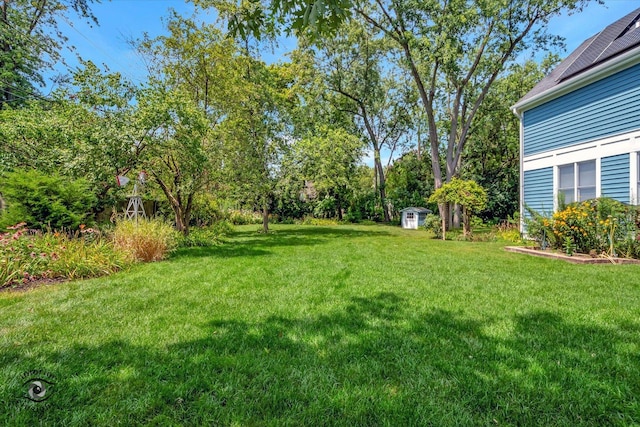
x=413 y=217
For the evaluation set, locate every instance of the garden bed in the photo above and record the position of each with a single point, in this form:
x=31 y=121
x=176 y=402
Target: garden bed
x=576 y=258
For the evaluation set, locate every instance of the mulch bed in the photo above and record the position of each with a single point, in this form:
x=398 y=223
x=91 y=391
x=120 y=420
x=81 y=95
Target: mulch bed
x=574 y=259
x=23 y=287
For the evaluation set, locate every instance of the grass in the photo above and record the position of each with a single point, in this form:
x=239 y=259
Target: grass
x=348 y=325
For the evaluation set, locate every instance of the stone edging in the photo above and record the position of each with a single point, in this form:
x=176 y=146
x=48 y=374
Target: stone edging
x=575 y=259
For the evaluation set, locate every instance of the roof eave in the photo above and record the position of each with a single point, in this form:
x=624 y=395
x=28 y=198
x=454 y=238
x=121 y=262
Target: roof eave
x=620 y=62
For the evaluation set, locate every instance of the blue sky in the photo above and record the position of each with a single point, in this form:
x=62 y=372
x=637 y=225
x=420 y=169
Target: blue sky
x=121 y=20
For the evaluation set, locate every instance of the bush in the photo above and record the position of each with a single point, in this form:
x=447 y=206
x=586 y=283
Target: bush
x=145 y=239
x=601 y=226
x=27 y=255
x=45 y=201
x=309 y=220
x=205 y=211
x=244 y=217
x=206 y=236
x=433 y=223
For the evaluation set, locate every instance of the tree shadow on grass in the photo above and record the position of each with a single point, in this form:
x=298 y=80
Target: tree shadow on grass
x=373 y=362
x=252 y=243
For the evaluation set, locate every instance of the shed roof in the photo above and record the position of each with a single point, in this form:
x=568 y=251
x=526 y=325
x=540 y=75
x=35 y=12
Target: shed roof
x=414 y=209
x=617 y=38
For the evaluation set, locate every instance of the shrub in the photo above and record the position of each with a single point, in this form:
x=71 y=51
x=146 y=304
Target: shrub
x=309 y=220
x=27 y=255
x=244 y=217
x=45 y=201
x=205 y=211
x=206 y=236
x=539 y=228
x=145 y=239
x=600 y=226
x=433 y=223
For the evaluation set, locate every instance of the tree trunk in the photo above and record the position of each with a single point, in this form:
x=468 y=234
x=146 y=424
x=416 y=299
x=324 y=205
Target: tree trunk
x=382 y=187
x=181 y=226
x=442 y=208
x=466 y=223
x=455 y=220
x=265 y=217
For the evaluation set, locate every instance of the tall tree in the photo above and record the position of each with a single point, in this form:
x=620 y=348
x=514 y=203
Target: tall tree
x=30 y=42
x=354 y=66
x=492 y=154
x=253 y=134
x=454 y=52
x=330 y=160
x=195 y=71
x=182 y=156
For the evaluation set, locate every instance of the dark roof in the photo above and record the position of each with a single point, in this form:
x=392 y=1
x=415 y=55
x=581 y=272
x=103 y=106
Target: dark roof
x=617 y=38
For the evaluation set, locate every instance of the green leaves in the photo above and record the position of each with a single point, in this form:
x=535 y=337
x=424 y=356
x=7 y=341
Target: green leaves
x=30 y=42
x=466 y=193
x=45 y=200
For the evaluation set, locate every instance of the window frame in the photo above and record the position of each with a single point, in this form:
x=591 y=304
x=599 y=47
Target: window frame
x=576 y=188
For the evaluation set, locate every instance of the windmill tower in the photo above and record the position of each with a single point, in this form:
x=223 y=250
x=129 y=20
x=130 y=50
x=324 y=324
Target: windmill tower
x=135 y=207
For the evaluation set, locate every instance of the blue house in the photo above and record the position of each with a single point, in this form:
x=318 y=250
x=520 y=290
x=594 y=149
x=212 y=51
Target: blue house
x=580 y=125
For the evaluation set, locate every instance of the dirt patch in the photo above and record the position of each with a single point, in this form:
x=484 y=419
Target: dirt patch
x=574 y=259
x=23 y=287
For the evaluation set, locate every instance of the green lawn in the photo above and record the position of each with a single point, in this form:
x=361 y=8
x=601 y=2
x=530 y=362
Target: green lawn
x=359 y=325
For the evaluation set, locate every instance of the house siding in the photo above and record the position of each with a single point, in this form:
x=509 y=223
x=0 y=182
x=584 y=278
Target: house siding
x=616 y=177
x=538 y=190
x=606 y=107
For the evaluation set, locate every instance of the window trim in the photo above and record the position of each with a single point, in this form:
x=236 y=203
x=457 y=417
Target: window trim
x=576 y=188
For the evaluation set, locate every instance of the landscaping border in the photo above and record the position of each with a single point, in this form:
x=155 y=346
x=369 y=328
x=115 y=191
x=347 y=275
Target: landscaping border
x=574 y=259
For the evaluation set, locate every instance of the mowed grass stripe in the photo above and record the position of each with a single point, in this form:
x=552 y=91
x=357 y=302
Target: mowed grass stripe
x=349 y=325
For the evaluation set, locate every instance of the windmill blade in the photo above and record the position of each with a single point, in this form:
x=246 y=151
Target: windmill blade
x=122 y=180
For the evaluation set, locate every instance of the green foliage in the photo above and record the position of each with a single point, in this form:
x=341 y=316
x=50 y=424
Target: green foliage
x=145 y=239
x=492 y=153
x=568 y=246
x=27 y=256
x=309 y=220
x=30 y=43
x=433 y=223
x=242 y=217
x=600 y=226
x=409 y=181
x=211 y=235
x=45 y=201
x=468 y=194
x=329 y=160
x=539 y=228
x=206 y=211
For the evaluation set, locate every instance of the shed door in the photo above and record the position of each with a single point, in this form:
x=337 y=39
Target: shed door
x=412 y=220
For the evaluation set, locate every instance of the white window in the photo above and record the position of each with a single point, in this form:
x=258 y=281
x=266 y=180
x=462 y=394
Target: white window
x=409 y=215
x=577 y=181
x=586 y=180
x=566 y=184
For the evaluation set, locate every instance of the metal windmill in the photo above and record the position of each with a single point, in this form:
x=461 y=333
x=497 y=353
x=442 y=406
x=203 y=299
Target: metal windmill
x=135 y=207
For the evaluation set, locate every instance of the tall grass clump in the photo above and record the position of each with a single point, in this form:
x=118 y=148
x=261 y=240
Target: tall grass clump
x=27 y=255
x=145 y=239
